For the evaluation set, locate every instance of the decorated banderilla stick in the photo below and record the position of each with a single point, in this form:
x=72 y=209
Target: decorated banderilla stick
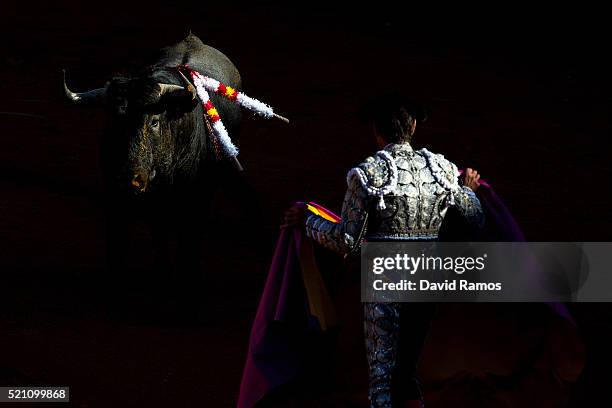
x=212 y=85
x=221 y=138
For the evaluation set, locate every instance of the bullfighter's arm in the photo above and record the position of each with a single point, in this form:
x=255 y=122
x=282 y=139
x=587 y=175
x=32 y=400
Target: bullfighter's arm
x=343 y=236
x=466 y=201
x=469 y=206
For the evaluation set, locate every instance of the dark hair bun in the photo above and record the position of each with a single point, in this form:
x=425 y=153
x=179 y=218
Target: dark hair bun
x=392 y=115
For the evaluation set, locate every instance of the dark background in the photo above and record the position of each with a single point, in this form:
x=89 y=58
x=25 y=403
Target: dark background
x=523 y=95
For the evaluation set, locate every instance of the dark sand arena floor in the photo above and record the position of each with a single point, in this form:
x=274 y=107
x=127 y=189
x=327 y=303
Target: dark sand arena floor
x=530 y=111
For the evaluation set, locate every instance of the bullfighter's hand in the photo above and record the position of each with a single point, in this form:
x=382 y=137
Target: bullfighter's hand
x=471 y=179
x=295 y=216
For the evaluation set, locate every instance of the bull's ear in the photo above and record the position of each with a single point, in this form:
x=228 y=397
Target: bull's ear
x=179 y=102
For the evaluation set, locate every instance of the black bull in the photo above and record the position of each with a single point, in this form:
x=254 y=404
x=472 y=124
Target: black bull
x=158 y=161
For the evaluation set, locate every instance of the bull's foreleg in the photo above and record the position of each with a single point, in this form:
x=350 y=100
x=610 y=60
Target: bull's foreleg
x=192 y=274
x=111 y=287
x=160 y=232
x=188 y=255
x=116 y=237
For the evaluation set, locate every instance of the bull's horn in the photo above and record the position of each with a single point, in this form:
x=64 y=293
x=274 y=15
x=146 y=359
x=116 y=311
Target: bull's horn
x=172 y=88
x=84 y=98
x=169 y=88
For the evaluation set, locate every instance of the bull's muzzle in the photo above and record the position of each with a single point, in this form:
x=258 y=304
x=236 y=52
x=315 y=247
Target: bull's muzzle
x=140 y=182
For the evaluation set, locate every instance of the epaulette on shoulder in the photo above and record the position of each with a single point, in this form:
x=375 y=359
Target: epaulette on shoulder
x=444 y=171
x=376 y=170
x=377 y=175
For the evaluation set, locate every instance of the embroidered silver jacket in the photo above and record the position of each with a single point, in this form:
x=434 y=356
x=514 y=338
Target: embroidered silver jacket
x=402 y=193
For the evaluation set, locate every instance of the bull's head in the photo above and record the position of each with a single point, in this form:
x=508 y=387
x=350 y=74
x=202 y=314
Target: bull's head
x=144 y=127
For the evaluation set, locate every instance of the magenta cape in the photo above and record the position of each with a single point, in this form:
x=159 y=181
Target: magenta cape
x=294 y=303
x=270 y=360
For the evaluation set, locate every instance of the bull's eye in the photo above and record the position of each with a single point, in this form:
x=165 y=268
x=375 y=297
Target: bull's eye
x=154 y=123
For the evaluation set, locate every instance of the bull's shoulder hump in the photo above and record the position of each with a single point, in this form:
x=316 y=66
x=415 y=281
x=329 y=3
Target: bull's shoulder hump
x=210 y=61
x=203 y=58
